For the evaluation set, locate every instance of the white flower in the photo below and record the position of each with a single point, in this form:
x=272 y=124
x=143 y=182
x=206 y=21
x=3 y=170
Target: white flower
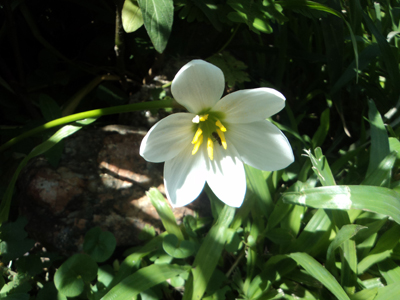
x=211 y=142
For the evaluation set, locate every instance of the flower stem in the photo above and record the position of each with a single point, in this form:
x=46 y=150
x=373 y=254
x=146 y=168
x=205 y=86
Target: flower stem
x=96 y=113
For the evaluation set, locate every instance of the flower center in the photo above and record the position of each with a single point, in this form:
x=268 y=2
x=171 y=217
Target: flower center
x=211 y=128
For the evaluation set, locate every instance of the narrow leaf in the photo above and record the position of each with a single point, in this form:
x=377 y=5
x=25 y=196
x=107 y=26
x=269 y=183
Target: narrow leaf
x=210 y=252
x=315 y=269
x=369 y=198
x=165 y=212
x=142 y=280
x=379 y=138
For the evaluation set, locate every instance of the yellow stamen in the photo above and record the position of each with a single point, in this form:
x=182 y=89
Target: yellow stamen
x=197 y=135
x=197 y=145
x=219 y=124
x=222 y=137
x=210 y=149
x=203 y=117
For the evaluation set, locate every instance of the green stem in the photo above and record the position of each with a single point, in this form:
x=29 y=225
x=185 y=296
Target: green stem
x=96 y=113
x=230 y=39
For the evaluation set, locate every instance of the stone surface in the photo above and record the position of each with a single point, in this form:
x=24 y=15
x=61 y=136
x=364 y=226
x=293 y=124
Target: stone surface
x=100 y=180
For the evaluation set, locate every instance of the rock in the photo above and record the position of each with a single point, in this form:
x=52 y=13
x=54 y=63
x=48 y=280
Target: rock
x=101 y=180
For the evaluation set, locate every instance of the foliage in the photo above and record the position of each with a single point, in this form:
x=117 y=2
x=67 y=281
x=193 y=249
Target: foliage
x=327 y=227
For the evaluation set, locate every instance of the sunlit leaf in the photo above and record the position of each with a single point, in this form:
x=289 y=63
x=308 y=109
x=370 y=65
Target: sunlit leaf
x=158 y=16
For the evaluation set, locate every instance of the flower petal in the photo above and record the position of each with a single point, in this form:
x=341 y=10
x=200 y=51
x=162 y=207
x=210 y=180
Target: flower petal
x=226 y=176
x=261 y=145
x=167 y=137
x=184 y=177
x=198 y=85
x=248 y=106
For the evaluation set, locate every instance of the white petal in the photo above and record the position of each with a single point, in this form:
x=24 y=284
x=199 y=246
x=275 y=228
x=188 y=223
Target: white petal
x=226 y=176
x=198 y=85
x=247 y=106
x=167 y=137
x=184 y=177
x=261 y=145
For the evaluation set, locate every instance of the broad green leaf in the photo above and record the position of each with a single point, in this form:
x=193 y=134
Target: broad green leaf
x=165 y=212
x=132 y=18
x=367 y=294
x=209 y=8
x=71 y=277
x=379 y=138
x=315 y=269
x=259 y=187
x=390 y=271
x=176 y=248
x=382 y=250
x=208 y=255
x=315 y=235
x=99 y=244
x=394 y=145
x=370 y=198
x=142 y=280
x=344 y=234
x=253 y=14
x=382 y=175
x=391 y=291
x=134 y=259
x=158 y=16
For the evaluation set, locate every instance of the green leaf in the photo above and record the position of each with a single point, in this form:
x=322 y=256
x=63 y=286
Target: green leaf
x=208 y=255
x=176 y=248
x=315 y=269
x=383 y=249
x=49 y=108
x=382 y=175
x=344 y=234
x=259 y=187
x=369 y=198
x=142 y=280
x=391 y=291
x=14 y=242
x=132 y=18
x=322 y=131
x=367 y=294
x=379 y=138
x=99 y=244
x=321 y=167
x=317 y=229
x=254 y=14
x=158 y=16
x=297 y=4
x=134 y=259
x=71 y=277
x=390 y=271
x=165 y=212
x=38 y=150
x=234 y=70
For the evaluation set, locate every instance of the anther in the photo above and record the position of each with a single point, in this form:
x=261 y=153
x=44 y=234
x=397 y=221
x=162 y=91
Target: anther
x=197 y=135
x=222 y=138
x=210 y=148
x=197 y=145
x=219 y=124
